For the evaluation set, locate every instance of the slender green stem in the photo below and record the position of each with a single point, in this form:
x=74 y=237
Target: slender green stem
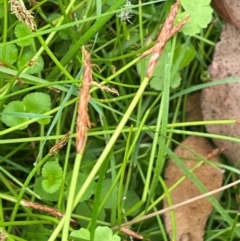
x=71 y=196
x=104 y=154
x=25 y=185
x=91 y=32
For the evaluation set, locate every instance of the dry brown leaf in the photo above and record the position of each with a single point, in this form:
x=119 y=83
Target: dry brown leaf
x=193 y=107
x=228 y=10
x=191 y=218
x=222 y=101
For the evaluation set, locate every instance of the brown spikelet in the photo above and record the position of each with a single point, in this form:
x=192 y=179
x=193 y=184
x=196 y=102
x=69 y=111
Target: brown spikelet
x=3 y=236
x=83 y=121
x=238 y=121
x=32 y=2
x=216 y=152
x=60 y=144
x=178 y=27
x=105 y=87
x=162 y=39
x=22 y=14
x=32 y=62
x=168 y=30
x=44 y=208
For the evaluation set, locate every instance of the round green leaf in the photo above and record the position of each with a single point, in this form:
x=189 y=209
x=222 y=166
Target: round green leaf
x=21 y=30
x=131 y=200
x=51 y=185
x=36 y=232
x=52 y=174
x=101 y=233
x=85 y=209
x=105 y=233
x=42 y=193
x=14 y=120
x=9 y=53
x=81 y=179
x=54 y=18
x=201 y=16
x=38 y=102
x=157 y=81
x=105 y=189
x=83 y=233
x=26 y=58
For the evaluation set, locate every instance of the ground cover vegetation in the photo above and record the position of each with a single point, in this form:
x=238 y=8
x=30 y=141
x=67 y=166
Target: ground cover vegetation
x=93 y=98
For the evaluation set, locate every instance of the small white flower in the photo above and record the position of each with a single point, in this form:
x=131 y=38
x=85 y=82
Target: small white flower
x=128 y=4
x=125 y=14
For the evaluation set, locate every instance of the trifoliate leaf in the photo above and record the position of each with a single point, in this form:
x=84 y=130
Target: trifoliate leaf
x=38 y=102
x=9 y=53
x=200 y=13
x=21 y=30
x=14 y=120
x=27 y=60
x=52 y=174
x=81 y=179
x=42 y=193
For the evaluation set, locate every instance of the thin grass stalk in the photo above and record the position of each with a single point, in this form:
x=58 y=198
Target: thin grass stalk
x=83 y=124
x=91 y=32
x=104 y=154
x=137 y=220
x=25 y=185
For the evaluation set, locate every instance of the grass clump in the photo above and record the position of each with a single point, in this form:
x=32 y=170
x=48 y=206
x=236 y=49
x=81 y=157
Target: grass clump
x=96 y=128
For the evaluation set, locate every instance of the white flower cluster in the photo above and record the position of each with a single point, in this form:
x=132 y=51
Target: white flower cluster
x=125 y=14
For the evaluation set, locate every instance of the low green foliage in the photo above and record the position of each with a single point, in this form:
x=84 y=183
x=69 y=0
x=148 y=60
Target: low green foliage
x=35 y=67
x=101 y=233
x=52 y=176
x=13 y=107
x=9 y=54
x=17 y=112
x=183 y=55
x=45 y=195
x=119 y=177
x=200 y=14
x=21 y=30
